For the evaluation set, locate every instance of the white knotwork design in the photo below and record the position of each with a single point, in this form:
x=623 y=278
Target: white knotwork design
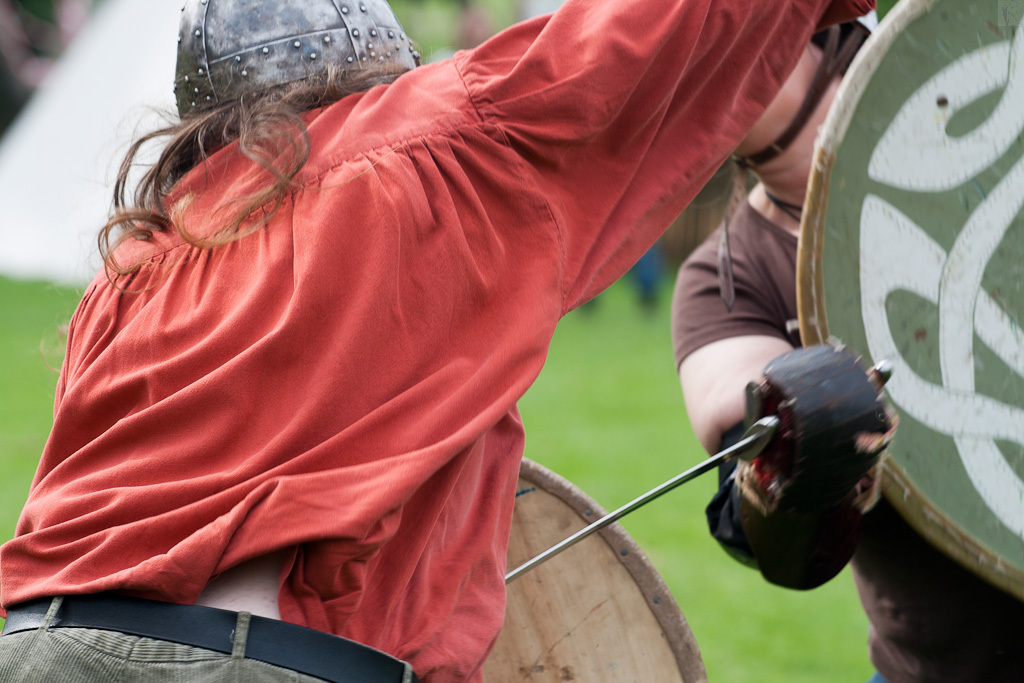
x=916 y=153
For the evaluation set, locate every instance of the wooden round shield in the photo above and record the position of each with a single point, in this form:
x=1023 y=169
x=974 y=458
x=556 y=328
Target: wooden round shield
x=597 y=612
x=912 y=250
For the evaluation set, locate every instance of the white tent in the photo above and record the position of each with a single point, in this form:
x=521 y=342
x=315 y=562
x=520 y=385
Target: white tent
x=59 y=158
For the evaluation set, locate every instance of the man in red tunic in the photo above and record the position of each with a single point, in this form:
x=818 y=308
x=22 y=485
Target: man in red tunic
x=291 y=392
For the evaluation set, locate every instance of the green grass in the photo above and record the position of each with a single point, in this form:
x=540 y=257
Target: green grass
x=607 y=414
x=32 y=346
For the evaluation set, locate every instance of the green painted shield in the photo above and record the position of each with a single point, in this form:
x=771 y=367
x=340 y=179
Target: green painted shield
x=913 y=251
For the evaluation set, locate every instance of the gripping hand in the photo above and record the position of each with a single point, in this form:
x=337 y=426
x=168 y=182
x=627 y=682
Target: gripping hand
x=834 y=425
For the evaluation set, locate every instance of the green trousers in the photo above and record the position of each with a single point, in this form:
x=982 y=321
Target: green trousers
x=80 y=655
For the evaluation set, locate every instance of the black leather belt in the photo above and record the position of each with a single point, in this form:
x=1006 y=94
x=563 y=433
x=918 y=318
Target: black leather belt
x=300 y=649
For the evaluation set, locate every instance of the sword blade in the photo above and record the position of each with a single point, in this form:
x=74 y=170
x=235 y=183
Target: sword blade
x=752 y=443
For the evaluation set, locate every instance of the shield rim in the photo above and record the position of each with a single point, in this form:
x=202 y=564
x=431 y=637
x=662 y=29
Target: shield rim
x=913 y=506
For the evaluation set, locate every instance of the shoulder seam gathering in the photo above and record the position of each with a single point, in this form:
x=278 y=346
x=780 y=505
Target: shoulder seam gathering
x=557 y=227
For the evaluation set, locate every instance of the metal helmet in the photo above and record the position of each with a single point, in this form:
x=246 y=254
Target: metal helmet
x=230 y=47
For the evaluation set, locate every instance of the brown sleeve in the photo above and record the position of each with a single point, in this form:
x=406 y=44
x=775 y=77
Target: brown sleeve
x=764 y=267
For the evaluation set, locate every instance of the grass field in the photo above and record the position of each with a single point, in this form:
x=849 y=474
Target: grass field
x=31 y=315
x=607 y=414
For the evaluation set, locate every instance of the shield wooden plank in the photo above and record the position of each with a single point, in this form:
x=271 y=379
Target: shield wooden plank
x=912 y=250
x=597 y=612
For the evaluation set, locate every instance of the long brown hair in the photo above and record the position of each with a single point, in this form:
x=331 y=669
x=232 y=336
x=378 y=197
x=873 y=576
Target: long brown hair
x=270 y=131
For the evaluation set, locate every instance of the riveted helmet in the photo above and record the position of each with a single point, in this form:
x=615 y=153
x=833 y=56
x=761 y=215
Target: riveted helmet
x=227 y=48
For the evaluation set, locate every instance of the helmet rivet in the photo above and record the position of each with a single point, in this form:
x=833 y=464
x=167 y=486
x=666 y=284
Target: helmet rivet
x=360 y=42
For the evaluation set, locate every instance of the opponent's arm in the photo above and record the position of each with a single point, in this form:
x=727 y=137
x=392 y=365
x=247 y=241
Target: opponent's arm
x=714 y=378
x=806 y=537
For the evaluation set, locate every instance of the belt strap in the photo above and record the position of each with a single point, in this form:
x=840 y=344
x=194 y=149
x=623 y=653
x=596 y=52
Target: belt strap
x=298 y=648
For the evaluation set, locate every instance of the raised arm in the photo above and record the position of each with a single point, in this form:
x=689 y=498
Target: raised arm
x=623 y=111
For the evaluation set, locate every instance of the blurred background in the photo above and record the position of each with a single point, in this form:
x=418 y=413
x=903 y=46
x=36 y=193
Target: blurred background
x=79 y=77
